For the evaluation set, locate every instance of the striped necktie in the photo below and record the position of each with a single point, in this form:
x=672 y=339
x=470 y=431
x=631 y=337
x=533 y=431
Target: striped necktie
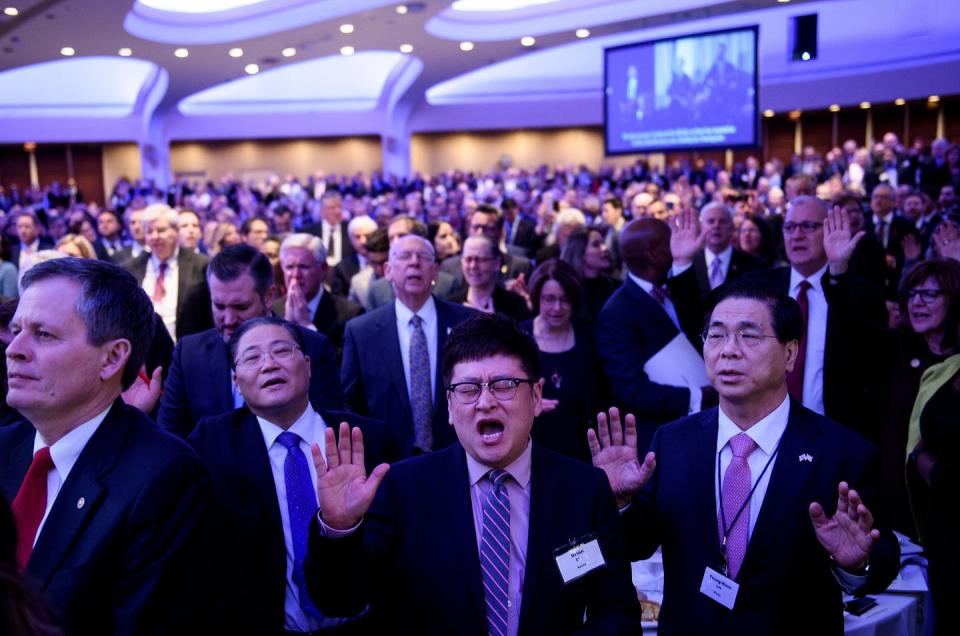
x=495 y=552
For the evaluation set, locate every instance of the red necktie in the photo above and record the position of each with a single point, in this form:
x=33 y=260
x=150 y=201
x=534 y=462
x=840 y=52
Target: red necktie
x=795 y=377
x=159 y=290
x=30 y=503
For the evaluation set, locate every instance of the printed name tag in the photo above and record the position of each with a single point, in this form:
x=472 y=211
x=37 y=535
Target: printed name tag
x=720 y=588
x=578 y=560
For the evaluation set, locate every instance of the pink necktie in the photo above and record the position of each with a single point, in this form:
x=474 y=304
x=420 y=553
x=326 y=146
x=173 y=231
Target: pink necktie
x=735 y=493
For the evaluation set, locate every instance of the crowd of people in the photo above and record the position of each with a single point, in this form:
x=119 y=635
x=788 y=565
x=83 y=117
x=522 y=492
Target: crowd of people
x=300 y=337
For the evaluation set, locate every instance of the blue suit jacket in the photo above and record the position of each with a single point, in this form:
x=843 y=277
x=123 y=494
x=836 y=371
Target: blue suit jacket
x=123 y=550
x=786 y=582
x=198 y=383
x=415 y=556
x=249 y=595
x=373 y=378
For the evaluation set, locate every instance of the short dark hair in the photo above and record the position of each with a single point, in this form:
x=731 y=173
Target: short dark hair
x=785 y=315
x=845 y=197
x=248 y=223
x=234 y=261
x=485 y=335
x=378 y=240
x=417 y=228
x=253 y=323
x=111 y=305
x=615 y=202
x=566 y=276
x=486 y=208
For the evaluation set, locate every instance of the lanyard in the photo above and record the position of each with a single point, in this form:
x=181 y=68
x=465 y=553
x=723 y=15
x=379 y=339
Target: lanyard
x=723 y=519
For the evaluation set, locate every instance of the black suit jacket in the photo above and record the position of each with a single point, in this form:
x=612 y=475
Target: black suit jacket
x=124 y=548
x=415 y=557
x=525 y=236
x=504 y=302
x=193 y=295
x=740 y=263
x=786 y=582
x=249 y=595
x=198 y=384
x=339 y=277
x=332 y=315
x=512 y=267
x=317 y=230
x=46 y=243
x=373 y=378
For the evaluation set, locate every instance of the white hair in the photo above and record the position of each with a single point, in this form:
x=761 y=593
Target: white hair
x=156 y=210
x=362 y=222
x=571 y=216
x=714 y=205
x=427 y=244
x=309 y=242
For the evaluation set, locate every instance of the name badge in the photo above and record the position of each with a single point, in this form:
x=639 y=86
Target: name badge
x=720 y=588
x=583 y=557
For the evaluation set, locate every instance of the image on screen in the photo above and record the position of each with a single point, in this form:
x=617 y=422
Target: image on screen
x=690 y=92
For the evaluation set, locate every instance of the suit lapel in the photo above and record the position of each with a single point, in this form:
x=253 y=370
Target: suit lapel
x=185 y=273
x=444 y=325
x=455 y=499
x=703 y=477
x=543 y=505
x=700 y=271
x=17 y=462
x=390 y=349
x=251 y=453
x=219 y=359
x=326 y=315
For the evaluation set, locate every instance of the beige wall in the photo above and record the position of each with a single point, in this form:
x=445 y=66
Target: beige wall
x=260 y=158
x=437 y=152
x=119 y=160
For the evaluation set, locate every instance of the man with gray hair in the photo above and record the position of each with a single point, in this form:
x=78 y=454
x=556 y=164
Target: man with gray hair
x=719 y=262
x=332 y=229
x=390 y=355
x=358 y=229
x=303 y=260
x=110 y=511
x=174 y=279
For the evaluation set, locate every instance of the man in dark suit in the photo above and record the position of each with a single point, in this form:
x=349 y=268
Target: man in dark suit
x=110 y=511
x=200 y=382
x=889 y=227
x=719 y=262
x=137 y=245
x=391 y=355
x=827 y=378
x=519 y=230
x=358 y=230
x=481 y=260
x=647 y=333
x=868 y=261
x=487 y=221
x=22 y=253
x=332 y=229
x=110 y=240
x=480 y=554
x=249 y=453
x=174 y=279
x=307 y=303
x=740 y=497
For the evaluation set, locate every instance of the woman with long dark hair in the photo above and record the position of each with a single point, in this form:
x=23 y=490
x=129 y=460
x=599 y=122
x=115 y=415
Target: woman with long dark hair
x=589 y=255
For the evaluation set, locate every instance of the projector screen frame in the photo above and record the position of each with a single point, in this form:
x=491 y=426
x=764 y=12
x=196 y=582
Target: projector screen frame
x=755 y=28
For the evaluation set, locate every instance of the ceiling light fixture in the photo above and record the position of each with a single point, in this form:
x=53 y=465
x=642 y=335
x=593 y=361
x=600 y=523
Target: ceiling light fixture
x=11 y=11
x=235 y=52
x=865 y=105
x=933 y=99
x=401 y=9
x=406 y=48
x=288 y=52
x=768 y=113
x=346 y=29
x=783 y=1
x=251 y=69
x=899 y=101
x=181 y=53
x=125 y=52
x=805 y=56
x=582 y=33
x=527 y=41
x=466 y=46
x=67 y=51
x=347 y=50
x=834 y=108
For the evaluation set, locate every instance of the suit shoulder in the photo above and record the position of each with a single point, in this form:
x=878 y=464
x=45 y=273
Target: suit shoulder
x=347 y=308
x=368 y=319
x=458 y=312
x=16 y=433
x=196 y=339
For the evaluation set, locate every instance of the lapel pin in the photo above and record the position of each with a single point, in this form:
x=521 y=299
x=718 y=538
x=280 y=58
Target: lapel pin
x=81 y=502
x=806 y=457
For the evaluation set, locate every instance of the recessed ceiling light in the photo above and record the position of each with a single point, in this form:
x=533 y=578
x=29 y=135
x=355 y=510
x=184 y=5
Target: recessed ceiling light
x=288 y=52
x=805 y=56
x=251 y=69
x=933 y=99
x=346 y=29
x=834 y=108
x=406 y=48
x=401 y=9
x=181 y=53
x=527 y=41
x=783 y=1
x=235 y=52
x=582 y=33
x=125 y=52
x=11 y=11
x=899 y=101
x=67 y=51
x=466 y=46
x=346 y=50
x=864 y=105
x=768 y=113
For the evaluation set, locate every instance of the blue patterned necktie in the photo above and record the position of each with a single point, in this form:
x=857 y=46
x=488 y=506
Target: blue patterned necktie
x=301 y=506
x=421 y=395
x=495 y=552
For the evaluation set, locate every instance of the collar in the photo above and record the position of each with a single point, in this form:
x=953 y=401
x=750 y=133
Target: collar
x=309 y=426
x=766 y=433
x=644 y=284
x=66 y=450
x=519 y=468
x=815 y=280
x=724 y=256
x=427 y=313
x=155 y=262
x=888 y=218
x=33 y=247
x=314 y=302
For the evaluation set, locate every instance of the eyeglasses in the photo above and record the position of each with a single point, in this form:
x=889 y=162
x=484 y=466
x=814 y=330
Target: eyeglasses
x=407 y=256
x=807 y=227
x=716 y=338
x=254 y=358
x=926 y=295
x=548 y=299
x=502 y=389
x=481 y=260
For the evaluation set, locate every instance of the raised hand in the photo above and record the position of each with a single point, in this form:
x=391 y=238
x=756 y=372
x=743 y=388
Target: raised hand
x=946 y=239
x=686 y=239
x=911 y=247
x=343 y=488
x=849 y=535
x=838 y=241
x=548 y=405
x=518 y=286
x=614 y=450
x=295 y=308
x=144 y=393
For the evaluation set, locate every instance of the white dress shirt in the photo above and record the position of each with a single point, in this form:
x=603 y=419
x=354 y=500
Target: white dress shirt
x=725 y=257
x=816 y=337
x=64 y=454
x=310 y=427
x=166 y=308
x=428 y=314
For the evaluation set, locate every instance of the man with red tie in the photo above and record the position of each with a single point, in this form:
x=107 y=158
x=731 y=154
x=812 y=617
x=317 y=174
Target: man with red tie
x=110 y=511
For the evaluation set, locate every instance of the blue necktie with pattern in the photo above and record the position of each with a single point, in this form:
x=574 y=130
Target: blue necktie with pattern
x=421 y=395
x=495 y=552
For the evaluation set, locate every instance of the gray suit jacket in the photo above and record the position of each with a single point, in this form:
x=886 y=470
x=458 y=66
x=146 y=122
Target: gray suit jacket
x=381 y=290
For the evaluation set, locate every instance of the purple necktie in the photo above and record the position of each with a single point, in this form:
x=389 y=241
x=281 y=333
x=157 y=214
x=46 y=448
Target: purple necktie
x=735 y=493
x=495 y=553
x=716 y=273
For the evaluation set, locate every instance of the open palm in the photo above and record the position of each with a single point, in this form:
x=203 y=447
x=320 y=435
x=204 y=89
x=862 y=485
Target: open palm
x=613 y=449
x=344 y=490
x=848 y=536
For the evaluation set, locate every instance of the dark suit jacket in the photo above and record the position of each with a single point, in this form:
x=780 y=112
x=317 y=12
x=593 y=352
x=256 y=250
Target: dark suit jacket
x=381 y=290
x=46 y=243
x=504 y=302
x=339 y=277
x=525 y=237
x=415 y=558
x=786 y=582
x=332 y=315
x=193 y=295
x=373 y=379
x=850 y=300
x=249 y=594
x=317 y=230
x=869 y=261
x=198 y=384
x=740 y=263
x=512 y=267
x=123 y=550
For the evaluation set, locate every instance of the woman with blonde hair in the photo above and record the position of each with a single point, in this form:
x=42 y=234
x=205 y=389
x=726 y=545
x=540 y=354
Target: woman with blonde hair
x=76 y=245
